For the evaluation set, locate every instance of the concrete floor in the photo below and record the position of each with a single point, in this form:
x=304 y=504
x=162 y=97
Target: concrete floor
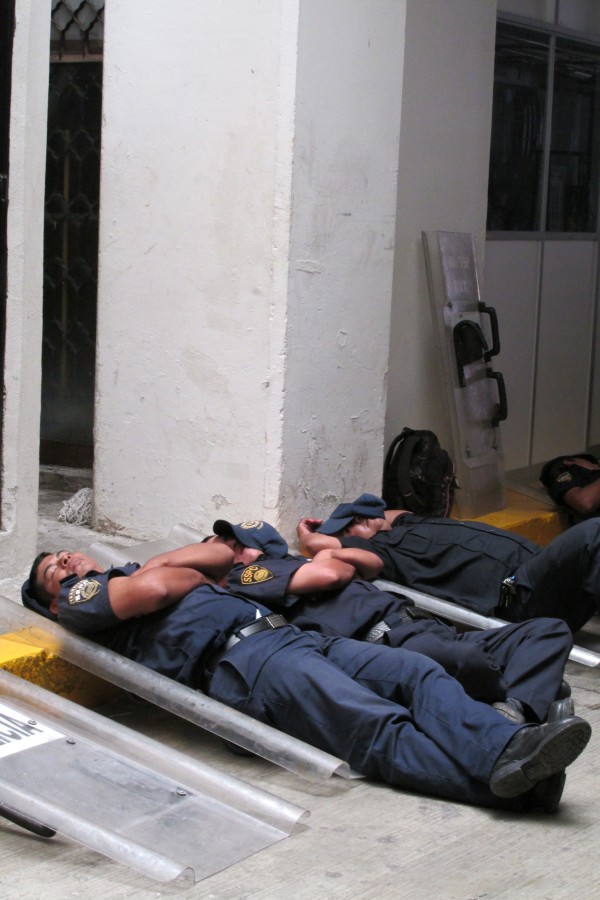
x=361 y=841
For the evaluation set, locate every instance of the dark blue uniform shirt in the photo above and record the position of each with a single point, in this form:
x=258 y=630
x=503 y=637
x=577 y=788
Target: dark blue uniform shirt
x=350 y=611
x=465 y=562
x=176 y=641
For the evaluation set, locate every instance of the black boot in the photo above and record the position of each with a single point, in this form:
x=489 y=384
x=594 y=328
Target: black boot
x=535 y=753
x=546 y=795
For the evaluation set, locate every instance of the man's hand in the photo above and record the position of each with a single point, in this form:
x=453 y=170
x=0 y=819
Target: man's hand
x=308 y=525
x=309 y=539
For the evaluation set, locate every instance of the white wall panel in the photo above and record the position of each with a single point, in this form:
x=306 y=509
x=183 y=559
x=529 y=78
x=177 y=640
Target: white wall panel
x=582 y=15
x=509 y=284
x=565 y=348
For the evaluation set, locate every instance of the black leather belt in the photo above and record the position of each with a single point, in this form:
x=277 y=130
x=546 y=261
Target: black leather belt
x=274 y=620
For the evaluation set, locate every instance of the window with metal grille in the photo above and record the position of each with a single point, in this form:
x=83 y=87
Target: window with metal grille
x=71 y=233
x=77 y=28
x=545 y=145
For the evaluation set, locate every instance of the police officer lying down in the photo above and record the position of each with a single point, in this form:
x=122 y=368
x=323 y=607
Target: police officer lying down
x=517 y=668
x=475 y=565
x=393 y=715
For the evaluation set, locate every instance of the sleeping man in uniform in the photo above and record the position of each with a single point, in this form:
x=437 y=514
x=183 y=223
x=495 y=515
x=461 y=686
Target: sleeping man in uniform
x=393 y=715
x=517 y=668
x=573 y=482
x=486 y=569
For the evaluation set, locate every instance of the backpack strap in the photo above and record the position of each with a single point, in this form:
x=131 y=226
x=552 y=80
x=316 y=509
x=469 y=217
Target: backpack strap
x=402 y=470
x=389 y=491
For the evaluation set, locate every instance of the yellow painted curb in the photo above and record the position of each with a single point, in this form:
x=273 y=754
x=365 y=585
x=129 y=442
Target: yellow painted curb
x=528 y=517
x=53 y=673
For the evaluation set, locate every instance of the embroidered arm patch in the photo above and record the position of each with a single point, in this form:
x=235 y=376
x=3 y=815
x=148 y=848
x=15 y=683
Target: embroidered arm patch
x=83 y=590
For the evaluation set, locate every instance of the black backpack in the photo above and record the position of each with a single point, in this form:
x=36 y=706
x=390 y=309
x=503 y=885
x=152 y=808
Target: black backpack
x=418 y=474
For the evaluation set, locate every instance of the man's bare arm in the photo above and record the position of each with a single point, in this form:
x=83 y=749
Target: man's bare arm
x=367 y=565
x=154 y=589
x=321 y=574
x=213 y=559
x=331 y=570
x=311 y=541
x=584 y=500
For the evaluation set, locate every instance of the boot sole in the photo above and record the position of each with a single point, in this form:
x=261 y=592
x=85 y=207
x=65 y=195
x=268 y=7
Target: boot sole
x=551 y=756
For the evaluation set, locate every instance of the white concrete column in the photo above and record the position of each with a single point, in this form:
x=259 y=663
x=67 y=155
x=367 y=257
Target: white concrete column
x=348 y=105
x=249 y=158
x=22 y=376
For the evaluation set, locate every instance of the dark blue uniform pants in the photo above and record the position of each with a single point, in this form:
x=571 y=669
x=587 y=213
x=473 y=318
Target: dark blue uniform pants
x=391 y=714
x=562 y=579
x=525 y=661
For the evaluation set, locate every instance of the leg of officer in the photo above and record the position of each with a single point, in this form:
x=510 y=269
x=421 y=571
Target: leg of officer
x=563 y=579
x=392 y=715
x=471 y=664
x=532 y=656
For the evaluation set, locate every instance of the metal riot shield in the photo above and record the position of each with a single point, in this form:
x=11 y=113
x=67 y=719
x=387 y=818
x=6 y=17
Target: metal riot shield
x=475 y=393
x=66 y=769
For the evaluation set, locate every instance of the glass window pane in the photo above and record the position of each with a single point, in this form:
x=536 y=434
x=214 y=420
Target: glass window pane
x=575 y=142
x=516 y=157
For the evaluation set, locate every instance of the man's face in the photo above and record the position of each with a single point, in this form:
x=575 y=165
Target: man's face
x=56 y=566
x=365 y=528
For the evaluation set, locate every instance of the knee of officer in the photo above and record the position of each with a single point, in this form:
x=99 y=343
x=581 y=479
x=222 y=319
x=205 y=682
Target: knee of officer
x=470 y=664
x=553 y=627
x=480 y=676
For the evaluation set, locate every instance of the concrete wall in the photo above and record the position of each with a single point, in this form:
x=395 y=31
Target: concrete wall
x=442 y=185
x=249 y=159
x=28 y=113
x=348 y=107
x=193 y=155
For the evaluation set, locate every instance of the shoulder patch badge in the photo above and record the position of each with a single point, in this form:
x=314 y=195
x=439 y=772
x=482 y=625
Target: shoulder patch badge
x=256 y=575
x=564 y=477
x=83 y=590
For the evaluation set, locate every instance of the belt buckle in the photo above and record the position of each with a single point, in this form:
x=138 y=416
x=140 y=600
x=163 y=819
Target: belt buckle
x=377 y=632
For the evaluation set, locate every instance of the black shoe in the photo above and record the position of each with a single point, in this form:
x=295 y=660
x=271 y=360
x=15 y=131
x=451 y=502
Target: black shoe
x=535 y=753
x=564 y=690
x=511 y=709
x=561 y=709
x=546 y=795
